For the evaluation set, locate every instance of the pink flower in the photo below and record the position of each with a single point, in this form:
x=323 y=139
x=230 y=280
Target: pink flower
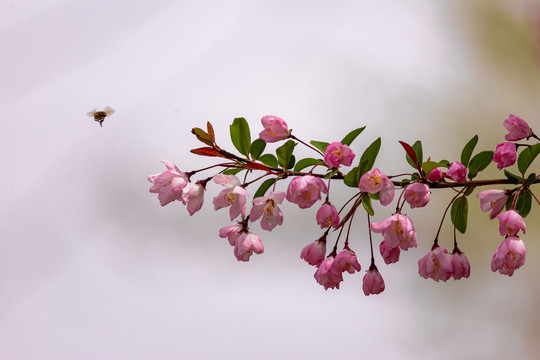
x=435 y=175
x=510 y=222
x=336 y=154
x=193 y=196
x=509 y=256
x=168 y=184
x=373 y=181
x=233 y=195
x=386 y=195
x=326 y=274
x=306 y=190
x=232 y=232
x=493 y=200
x=389 y=254
x=314 y=252
x=373 y=282
x=346 y=261
x=417 y=195
x=517 y=128
x=398 y=230
x=275 y=129
x=436 y=265
x=457 y=172
x=327 y=216
x=460 y=265
x=266 y=208
x=247 y=244
x=505 y=155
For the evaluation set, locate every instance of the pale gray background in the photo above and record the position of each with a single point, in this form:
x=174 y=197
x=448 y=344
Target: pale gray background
x=91 y=267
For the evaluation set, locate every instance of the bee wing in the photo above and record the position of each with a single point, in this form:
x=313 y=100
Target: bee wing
x=108 y=110
x=91 y=113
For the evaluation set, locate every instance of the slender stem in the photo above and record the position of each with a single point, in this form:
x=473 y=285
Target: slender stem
x=370 y=240
x=191 y=173
x=444 y=215
x=455 y=220
x=252 y=181
x=349 y=230
x=309 y=146
x=535 y=198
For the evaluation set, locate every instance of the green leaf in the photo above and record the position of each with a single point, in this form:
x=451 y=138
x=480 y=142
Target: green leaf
x=514 y=179
x=352 y=178
x=264 y=187
x=375 y=196
x=368 y=157
x=232 y=171
x=459 y=213
x=269 y=160
x=479 y=162
x=292 y=160
x=349 y=138
x=429 y=166
x=366 y=202
x=240 y=135
x=304 y=163
x=470 y=190
x=530 y=179
x=319 y=145
x=467 y=151
x=417 y=147
x=202 y=136
x=526 y=157
x=523 y=204
x=257 y=148
x=284 y=153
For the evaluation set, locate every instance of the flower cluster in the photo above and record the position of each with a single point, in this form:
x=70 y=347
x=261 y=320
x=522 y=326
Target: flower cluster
x=307 y=188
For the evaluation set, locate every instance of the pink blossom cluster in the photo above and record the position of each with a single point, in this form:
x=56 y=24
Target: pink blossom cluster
x=437 y=265
x=505 y=154
x=510 y=254
x=174 y=184
x=330 y=268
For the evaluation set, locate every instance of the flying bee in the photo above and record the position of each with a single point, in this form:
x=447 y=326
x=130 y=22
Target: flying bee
x=99 y=116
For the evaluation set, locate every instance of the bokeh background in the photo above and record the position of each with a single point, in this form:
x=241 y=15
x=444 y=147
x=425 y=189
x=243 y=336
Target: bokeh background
x=91 y=267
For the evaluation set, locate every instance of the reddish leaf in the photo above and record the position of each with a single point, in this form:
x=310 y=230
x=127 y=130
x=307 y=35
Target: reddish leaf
x=256 y=166
x=408 y=148
x=207 y=151
x=211 y=131
x=410 y=152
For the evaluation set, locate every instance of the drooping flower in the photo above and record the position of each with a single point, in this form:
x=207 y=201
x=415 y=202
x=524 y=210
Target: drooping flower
x=337 y=154
x=457 y=172
x=346 y=261
x=306 y=190
x=436 y=265
x=518 y=128
x=510 y=222
x=168 y=184
x=231 y=232
x=493 y=200
x=373 y=181
x=275 y=129
x=386 y=195
x=314 y=253
x=327 y=216
x=193 y=196
x=435 y=175
x=266 y=208
x=505 y=155
x=398 y=230
x=388 y=253
x=247 y=244
x=373 y=282
x=460 y=265
x=233 y=195
x=327 y=276
x=417 y=195
x=510 y=256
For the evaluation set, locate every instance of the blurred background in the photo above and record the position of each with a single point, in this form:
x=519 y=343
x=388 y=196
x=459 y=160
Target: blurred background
x=91 y=267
